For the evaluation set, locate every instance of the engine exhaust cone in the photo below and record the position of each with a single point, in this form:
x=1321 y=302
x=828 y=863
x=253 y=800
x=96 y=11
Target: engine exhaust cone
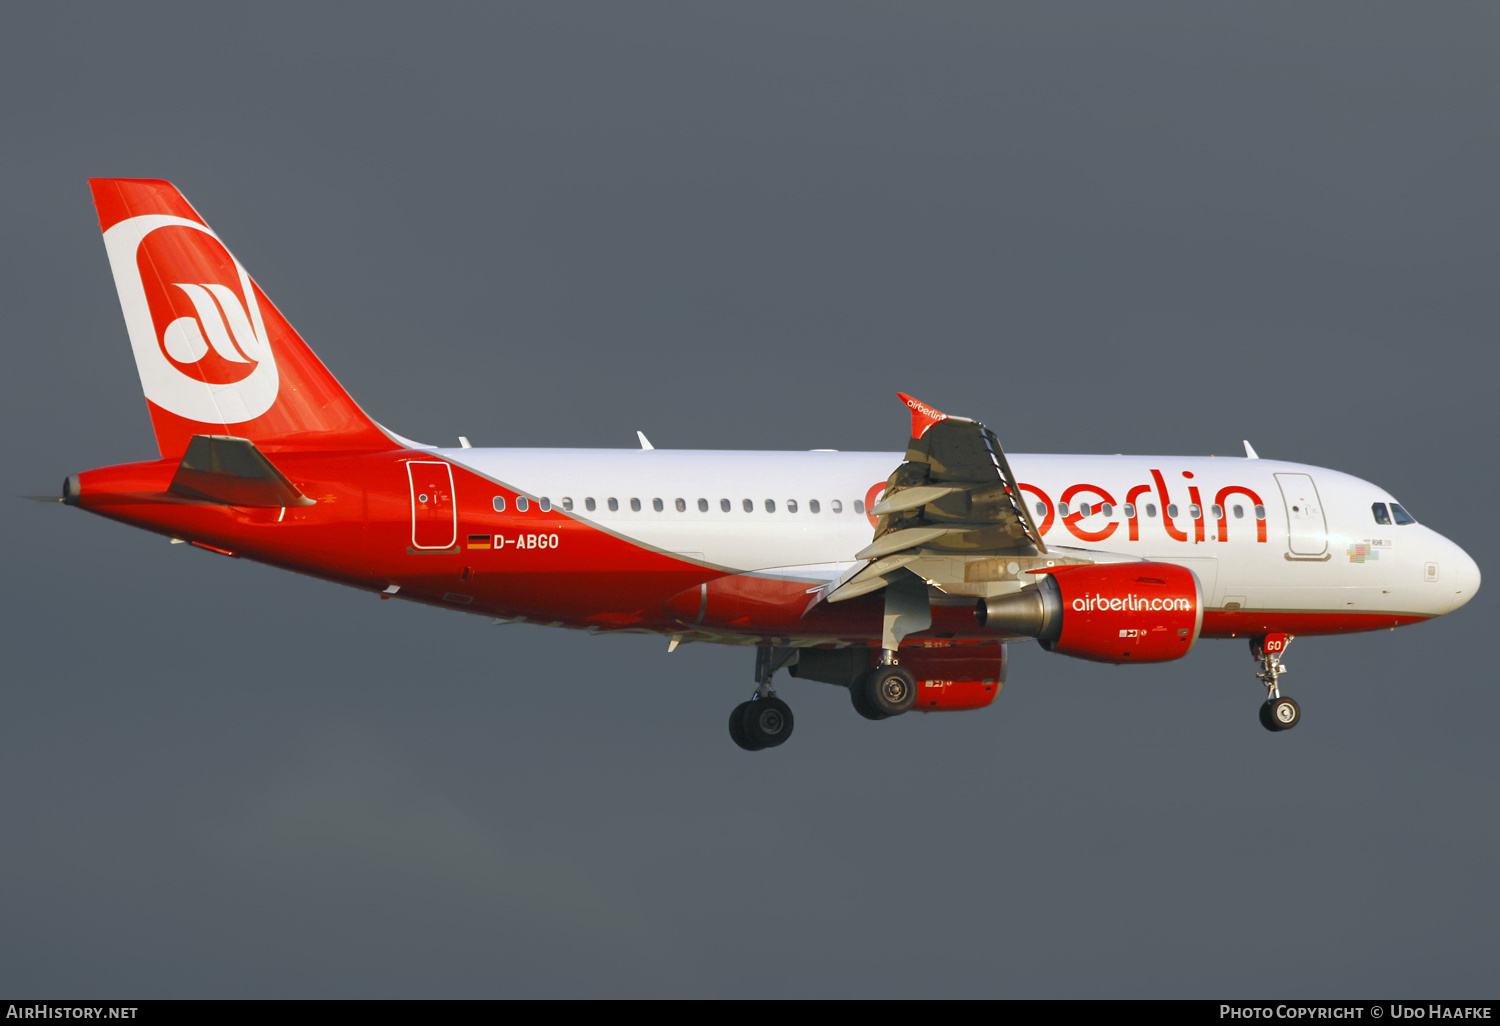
x=1033 y=612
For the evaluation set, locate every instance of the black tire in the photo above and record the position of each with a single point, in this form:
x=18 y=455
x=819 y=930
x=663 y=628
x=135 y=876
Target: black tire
x=767 y=722
x=890 y=690
x=1284 y=712
x=737 y=729
x=1265 y=716
x=860 y=701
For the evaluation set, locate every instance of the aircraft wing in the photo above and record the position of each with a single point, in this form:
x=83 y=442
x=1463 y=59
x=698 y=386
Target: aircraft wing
x=954 y=496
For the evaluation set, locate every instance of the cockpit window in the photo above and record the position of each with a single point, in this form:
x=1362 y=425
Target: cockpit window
x=1402 y=517
x=1381 y=515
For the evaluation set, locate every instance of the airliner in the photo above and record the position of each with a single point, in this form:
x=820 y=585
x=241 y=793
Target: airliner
x=902 y=577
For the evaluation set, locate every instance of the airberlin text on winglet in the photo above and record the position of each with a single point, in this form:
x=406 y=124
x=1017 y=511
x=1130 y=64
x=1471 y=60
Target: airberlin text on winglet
x=923 y=417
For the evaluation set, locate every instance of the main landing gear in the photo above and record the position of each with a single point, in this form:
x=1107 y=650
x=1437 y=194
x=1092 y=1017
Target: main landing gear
x=765 y=721
x=886 y=691
x=1278 y=712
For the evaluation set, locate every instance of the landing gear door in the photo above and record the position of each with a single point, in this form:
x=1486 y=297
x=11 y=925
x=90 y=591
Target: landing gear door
x=434 y=514
x=1307 y=534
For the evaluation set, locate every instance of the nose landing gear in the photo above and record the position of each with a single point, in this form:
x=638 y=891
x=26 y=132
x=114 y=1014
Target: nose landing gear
x=1278 y=712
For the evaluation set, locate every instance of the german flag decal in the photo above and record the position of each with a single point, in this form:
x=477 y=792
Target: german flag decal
x=479 y=541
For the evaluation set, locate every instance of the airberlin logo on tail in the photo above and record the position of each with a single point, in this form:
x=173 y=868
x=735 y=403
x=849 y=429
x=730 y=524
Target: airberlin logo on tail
x=195 y=325
x=222 y=318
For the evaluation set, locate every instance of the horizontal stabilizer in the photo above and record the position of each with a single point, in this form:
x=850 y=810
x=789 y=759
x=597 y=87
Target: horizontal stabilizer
x=233 y=472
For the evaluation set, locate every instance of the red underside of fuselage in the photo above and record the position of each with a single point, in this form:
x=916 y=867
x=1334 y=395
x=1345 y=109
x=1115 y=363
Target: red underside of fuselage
x=360 y=533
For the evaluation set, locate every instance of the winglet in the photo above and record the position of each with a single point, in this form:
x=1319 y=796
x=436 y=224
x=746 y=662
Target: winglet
x=1250 y=451
x=922 y=415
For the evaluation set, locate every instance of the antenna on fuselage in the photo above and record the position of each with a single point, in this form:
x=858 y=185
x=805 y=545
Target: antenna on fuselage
x=1250 y=451
x=645 y=442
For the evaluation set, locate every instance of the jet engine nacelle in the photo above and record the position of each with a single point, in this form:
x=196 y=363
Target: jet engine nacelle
x=954 y=695
x=951 y=676
x=1107 y=612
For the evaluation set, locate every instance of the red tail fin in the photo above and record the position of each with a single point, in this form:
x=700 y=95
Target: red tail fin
x=214 y=355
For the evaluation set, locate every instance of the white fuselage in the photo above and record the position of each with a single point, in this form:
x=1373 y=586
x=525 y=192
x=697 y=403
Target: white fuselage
x=1323 y=549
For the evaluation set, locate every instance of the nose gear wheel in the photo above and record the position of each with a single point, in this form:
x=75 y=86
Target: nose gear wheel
x=1278 y=712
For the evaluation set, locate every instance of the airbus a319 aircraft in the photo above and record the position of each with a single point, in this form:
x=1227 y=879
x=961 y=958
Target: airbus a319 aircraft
x=902 y=577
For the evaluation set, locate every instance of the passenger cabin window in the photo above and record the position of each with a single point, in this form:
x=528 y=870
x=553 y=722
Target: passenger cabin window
x=1151 y=509
x=770 y=505
x=1402 y=517
x=1382 y=515
x=1239 y=512
x=499 y=504
x=588 y=504
x=1195 y=511
x=791 y=505
x=546 y=504
x=748 y=506
x=614 y=505
x=522 y=504
x=1041 y=509
x=1062 y=509
x=702 y=505
x=1172 y=510
x=1260 y=512
x=1129 y=508
x=1107 y=510
x=724 y=505
x=1216 y=511
x=567 y=504
x=1085 y=510
x=635 y=505
x=681 y=505
x=859 y=505
x=813 y=507
x=656 y=505
x=835 y=506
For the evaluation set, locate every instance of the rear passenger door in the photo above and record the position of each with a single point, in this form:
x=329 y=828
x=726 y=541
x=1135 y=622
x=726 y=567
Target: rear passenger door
x=434 y=515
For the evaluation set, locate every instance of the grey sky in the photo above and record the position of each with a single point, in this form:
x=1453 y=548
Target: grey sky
x=1099 y=228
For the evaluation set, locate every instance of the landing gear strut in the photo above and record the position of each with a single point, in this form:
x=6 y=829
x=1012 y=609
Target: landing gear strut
x=886 y=691
x=1278 y=712
x=765 y=721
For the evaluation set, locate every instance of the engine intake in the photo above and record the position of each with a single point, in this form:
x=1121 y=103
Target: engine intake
x=1106 y=612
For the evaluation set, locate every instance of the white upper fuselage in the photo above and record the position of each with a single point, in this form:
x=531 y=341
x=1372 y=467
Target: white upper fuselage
x=1323 y=548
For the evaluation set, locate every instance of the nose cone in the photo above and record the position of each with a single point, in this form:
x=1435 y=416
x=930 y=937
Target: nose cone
x=1458 y=576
